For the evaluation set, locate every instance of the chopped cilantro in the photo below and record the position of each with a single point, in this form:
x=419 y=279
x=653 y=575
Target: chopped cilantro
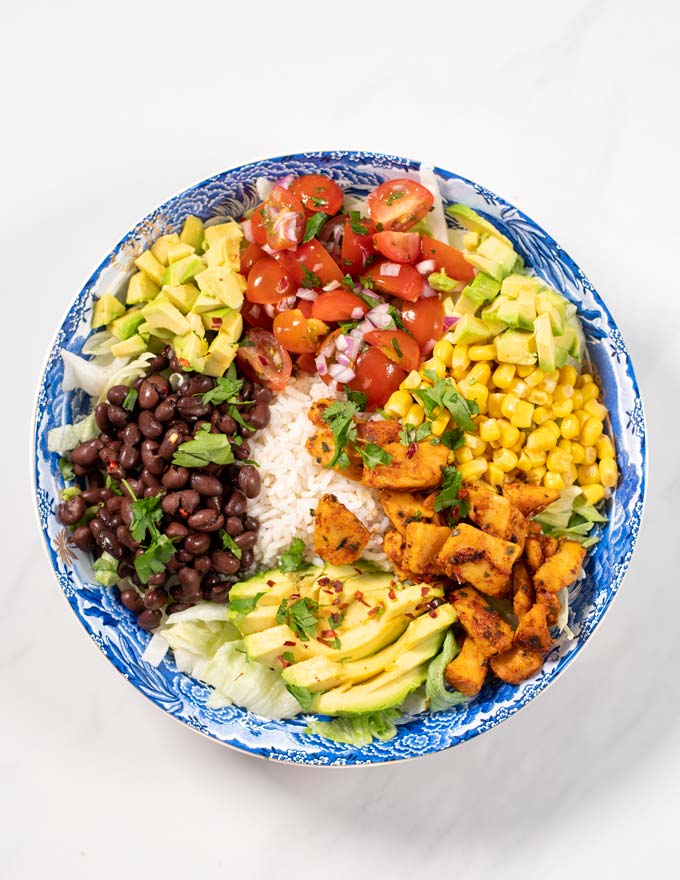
x=358 y=228
x=443 y=394
x=229 y=544
x=395 y=346
x=300 y=617
x=339 y=416
x=314 y=224
x=370 y=301
x=317 y=202
x=453 y=438
x=348 y=281
x=395 y=196
x=244 y=605
x=130 y=399
x=156 y=556
x=309 y=279
x=452 y=481
x=373 y=455
x=204 y=449
x=293 y=558
x=226 y=389
x=304 y=696
x=410 y=434
x=356 y=397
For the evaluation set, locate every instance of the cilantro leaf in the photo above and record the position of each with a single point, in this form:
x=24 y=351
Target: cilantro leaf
x=313 y=226
x=393 y=197
x=317 y=202
x=154 y=559
x=304 y=696
x=228 y=543
x=226 y=389
x=356 y=397
x=454 y=438
x=443 y=394
x=339 y=416
x=370 y=301
x=282 y=612
x=309 y=278
x=204 y=449
x=410 y=434
x=348 y=282
x=452 y=482
x=397 y=350
x=111 y=484
x=293 y=558
x=358 y=228
x=130 y=399
x=245 y=604
x=238 y=418
x=66 y=468
x=146 y=514
x=373 y=455
x=301 y=618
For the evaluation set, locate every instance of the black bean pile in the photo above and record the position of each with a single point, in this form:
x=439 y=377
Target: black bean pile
x=199 y=504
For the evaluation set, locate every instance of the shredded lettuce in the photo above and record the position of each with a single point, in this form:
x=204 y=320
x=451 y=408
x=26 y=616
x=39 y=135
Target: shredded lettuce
x=438 y=695
x=66 y=437
x=358 y=730
x=570 y=517
x=558 y=513
x=99 y=343
x=106 y=570
x=563 y=616
x=436 y=218
x=91 y=377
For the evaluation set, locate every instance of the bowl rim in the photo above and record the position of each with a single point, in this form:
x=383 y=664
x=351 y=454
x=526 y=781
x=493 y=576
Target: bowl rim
x=408 y=165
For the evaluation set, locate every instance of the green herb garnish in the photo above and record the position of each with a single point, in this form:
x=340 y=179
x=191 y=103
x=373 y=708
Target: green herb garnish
x=130 y=399
x=443 y=394
x=293 y=558
x=358 y=228
x=373 y=455
x=339 y=416
x=146 y=514
x=410 y=434
x=447 y=498
x=244 y=605
x=313 y=226
x=204 y=449
x=154 y=559
x=309 y=278
x=356 y=397
x=304 y=696
x=229 y=544
x=226 y=389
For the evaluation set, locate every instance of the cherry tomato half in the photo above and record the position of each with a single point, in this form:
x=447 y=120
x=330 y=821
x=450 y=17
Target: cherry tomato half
x=317 y=193
x=257 y=225
x=283 y=219
x=337 y=305
x=319 y=267
x=402 y=247
x=357 y=247
x=397 y=346
x=406 y=283
x=377 y=376
x=424 y=319
x=263 y=359
x=268 y=282
x=306 y=363
x=250 y=256
x=255 y=315
x=448 y=258
x=399 y=204
x=297 y=334
x=330 y=235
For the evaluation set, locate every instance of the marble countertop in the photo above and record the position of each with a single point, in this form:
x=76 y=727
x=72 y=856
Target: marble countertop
x=567 y=111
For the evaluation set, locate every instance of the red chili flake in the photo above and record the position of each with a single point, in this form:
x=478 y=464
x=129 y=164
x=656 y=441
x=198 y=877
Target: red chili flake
x=393 y=583
x=289 y=644
x=270 y=583
x=358 y=571
x=112 y=465
x=337 y=586
x=184 y=362
x=328 y=633
x=263 y=360
x=282 y=660
x=323 y=581
x=328 y=592
x=424 y=591
x=216 y=323
x=324 y=642
x=360 y=598
x=463 y=493
x=433 y=613
x=409 y=615
x=391 y=594
x=336 y=601
x=183 y=512
x=411 y=451
x=373 y=611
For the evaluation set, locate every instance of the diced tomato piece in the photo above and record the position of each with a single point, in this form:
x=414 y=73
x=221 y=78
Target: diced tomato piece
x=338 y=305
x=250 y=256
x=357 y=246
x=317 y=193
x=398 y=279
x=257 y=225
x=297 y=334
x=397 y=346
x=317 y=268
x=399 y=204
x=265 y=360
x=424 y=319
x=376 y=376
x=268 y=282
x=446 y=257
x=255 y=315
x=402 y=247
x=283 y=219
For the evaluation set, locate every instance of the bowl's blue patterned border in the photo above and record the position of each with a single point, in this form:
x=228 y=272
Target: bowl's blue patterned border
x=113 y=629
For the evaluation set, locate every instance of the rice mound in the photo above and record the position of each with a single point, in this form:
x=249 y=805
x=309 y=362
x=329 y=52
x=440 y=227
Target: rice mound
x=292 y=482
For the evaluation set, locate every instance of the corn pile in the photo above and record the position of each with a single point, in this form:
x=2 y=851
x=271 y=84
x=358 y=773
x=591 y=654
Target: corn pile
x=545 y=428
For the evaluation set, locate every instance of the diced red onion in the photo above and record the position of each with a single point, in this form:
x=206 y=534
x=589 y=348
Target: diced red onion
x=390 y=270
x=247 y=228
x=307 y=293
x=268 y=250
x=380 y=316
x=357 y=313
x=427 y=348
x=428 y=291
x=342 y=342
x=366 y=326
x=285 y=225
x=372 y=294
x=426 y=266
x=269 y=309
x=285 y=181
x=288 y=302
x=449 y=321
x=342 y=359
x=264 y=188
x=328 y=349
x=341 y=374
x=332 y=285
x=321 y=365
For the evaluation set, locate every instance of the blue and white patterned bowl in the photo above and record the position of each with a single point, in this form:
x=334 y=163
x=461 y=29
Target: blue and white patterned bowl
x=113 y=628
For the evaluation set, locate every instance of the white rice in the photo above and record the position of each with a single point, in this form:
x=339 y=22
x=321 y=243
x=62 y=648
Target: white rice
x=292 y=482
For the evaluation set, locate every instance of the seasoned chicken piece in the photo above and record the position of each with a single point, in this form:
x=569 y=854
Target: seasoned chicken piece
x=423 y=543
x=496 y=515
x=529 y=499
x=516 y=664
x=549 y=546
x=561 y=569
x=532 y=632
x=533 y=553
x=481 y=622
x=321 y=446
x=317 y=409
x=467 y=671
x=479 y=558
x=394 y=546
x=409 y=469
x=551 y=604
x=401 y=508
x=339 y=537
x=523 y=595
x=379 y=431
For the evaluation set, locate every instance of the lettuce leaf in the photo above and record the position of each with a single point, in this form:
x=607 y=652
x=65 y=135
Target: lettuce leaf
x=358 y=730
x=438 y=695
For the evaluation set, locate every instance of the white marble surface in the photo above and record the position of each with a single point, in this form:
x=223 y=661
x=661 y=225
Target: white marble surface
x=571 y=114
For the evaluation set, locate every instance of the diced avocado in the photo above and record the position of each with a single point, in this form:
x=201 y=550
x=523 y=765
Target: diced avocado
x=561 y=354
x=224 y=346
x=132 y=347
x=178 y=252
x=141 y=289
x=465 y=305
x=475 y=222
x=127 y=325
x=483 y=288
x=147 y=330
x=224 y=252
x=382 y=692
x=551 y=303
x=219 y=282
x=518 y=313
x=273 y=585
x=191 y=350
x=160 y=313
x=514 y=284
x=195 y=323
x=545 y=344
x=183 y=296
x=162 y=245
x=149 y=265
x=192 y=232
x=206 y=303
x=516 y=347
x=212 y=320
x=183 y=270
x=229 y=230
x=470 y=330
x=105 y=309
x=572 y=339
x=493 y=257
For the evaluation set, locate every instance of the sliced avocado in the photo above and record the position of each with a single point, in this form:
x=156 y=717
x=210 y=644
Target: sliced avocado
x=493 y=257
x=475 y=222
x=147 y=330
x=149 y=265
x=160 y=313
x=518 y=313
x=382 y=692
x=220 y=283
x=470 y=330
x=273 y=585
x=127 y=325
x=483 y=288
x=183 y=270
x=162 y=245
x=182 y=297
x=178 y=252
x=191 y=350
x=516 y=347
x=141 y=289
x=545 y=344
x=192 y=232
x=132 y=347
x=105 y=310
x=223 y=348
x=514 y=284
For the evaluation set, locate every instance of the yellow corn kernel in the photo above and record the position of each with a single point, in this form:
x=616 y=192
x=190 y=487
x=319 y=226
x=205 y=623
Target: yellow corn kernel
x=535 y=475
x=535 y=377
x=509 y=433
x=412 y=381
x=538 y=397
x=583 y=380
x=434 y=365
x=541 y=414
x=475 y=443
x=570 y=427
x=444 y=351
x=477 y=392
x=609 y=473
x=554 y=429
x=563 y=392
x=568 y=375
x=541 y=440
x=399 y=404
x=588 y=473
x=605 y=447
x=562 y=409
x=523 y=462
x=549 y=383
x=519 y=388
x=518 y=445
x=577 y=453
x=460 y=359
x=481 y=372
x=593 y=493
x=589 y=455
x=415 y=416
x=439 y=425
x=482 y=352
x=564 y=445
x=494 y=474
x=489 y=430
x=596 y=409
x=582 y=416
x=463 y=455
x=509 y=405
x=558 y=461
x=591 y=431
x=553 y=481
x=473 y=470
x=536 y=457
x=523 y=415
x=503 y=376
x=590 y=392
x=495 y=401
x=577 y=399
x=570 y=475
x=525 y=370
x=505 y=459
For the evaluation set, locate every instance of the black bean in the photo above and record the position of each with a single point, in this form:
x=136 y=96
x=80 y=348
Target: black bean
x=224 y=561
x=149 y=398
x=176 y=530
x=137 y=384
x=82 y=538
x=186 y=500
x=206 y=520
x=259 y=416
x=192 y=408
x=249 y=481
x=95 y=496
x=101 y=417
x=160 y=383
x=206 y=485
x=175 y=477
x=166 y=409
x=219 y=593
x=151 y=491
x=212 y=469
x=202 y=564
x=190 y=580
x=196 y=543
x=86 y=453
x=149 y=425
x=184 y=557
x=246 y=391
x=106 y=516
x=246 y=541
x=130 y=434
x=195 y=385
x=247 y=559
x=149 y=619
x=109 y=543
x=125 y=538
x=132 y=601
x=173 y=565
x=114 y=503
x=214 y=502
x=118 y=416
x=124 y=568
x=117 y=394
x=179 y=425
x=242 y=452
x=153 y=462
x=69 y=512
x=170 y=442
x=233 y=526
x=129 y=456
x=160 y=362
x=96 y=527
x=175 y=365
x=176 y=607
x=155 y=599
x=236 y=506
x=251 y=523
x=263 y=395
x=211 y=578
x=227 y=425
x=79 y=470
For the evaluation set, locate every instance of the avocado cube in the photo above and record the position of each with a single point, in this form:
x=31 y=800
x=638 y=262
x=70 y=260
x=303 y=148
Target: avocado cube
x=183 y=270
x=514 y=284
x=483 y=288
x=192 y=232
x=162 y=314
x=178 y=252
x=224 y=252
x=222 y=351
x=191 y=350
x=206 y=303
x=140 y=289
x=212 y=320
x=474 y=222
x=162 y=245
x=126 y=325
x=470 y=330
x=551 y=303
x=230 y=230
x=195 y=323
x=132 y=347
x=146 y=331
x=219 y=282
x=105 y=309
x=516 y=347
x=182 y=297
x=149 y=265
x=545 y=344
x=465 y=305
